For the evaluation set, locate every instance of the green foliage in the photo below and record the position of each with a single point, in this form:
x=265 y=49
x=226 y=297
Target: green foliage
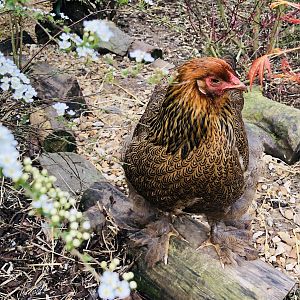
x=122 y=2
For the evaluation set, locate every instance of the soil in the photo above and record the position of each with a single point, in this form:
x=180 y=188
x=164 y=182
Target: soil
x=35 y=266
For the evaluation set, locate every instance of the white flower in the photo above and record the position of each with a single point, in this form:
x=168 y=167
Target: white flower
x=2 y=4
x=86 y=225
x=141 y=55
x=5 y=79
x=60 y=108
x=5 y=86
x=76 y=39
x=150 y=2
x=64 y=44
x=123 y=289
x=24 y=78
x=9 y=163
x=13 y=171
x=106 y=292
x=100 y=28
x=16 y=83
x=3 y=69
x=65 y=36
x=85 y=51
x=63 y=16
x=15 y=80
x=110 y=278
x=148 y=57
x=137 y=54
x=71 y=112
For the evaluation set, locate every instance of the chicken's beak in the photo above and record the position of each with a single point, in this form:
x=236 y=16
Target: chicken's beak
x=235 y=83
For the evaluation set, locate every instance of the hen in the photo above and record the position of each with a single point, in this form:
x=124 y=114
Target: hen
x=189 y=153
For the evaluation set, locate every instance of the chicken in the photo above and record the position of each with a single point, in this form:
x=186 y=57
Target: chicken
x=189 y=153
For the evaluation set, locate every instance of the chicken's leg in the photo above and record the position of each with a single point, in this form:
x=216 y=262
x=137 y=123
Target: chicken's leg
x=156 y=236
x=230 y=233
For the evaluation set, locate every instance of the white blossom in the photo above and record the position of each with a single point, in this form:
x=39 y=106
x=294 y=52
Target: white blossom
x=137 y=54
x=65 y=36
x=150 y=2
x=86 y=52
x=76 y=39
x=100 y=28
x=63 y=16
x=123 y=289
x=106 y=292
x=110 y=278
x=64 y=44
x=11 y=78
x=148 y=57
x=60 y=108
x=141 y=55
x=9 y=163
x=71 y=112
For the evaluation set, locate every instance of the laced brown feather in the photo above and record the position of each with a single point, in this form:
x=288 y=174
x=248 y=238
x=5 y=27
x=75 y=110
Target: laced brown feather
x=189 y=150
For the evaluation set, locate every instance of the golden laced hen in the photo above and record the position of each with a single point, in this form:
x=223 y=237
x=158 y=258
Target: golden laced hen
x=189 y=153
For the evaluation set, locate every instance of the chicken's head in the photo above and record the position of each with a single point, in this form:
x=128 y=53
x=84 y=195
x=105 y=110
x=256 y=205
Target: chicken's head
x=212 y=76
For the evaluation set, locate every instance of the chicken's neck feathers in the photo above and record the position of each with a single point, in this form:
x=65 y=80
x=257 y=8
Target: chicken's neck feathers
x=187 y=118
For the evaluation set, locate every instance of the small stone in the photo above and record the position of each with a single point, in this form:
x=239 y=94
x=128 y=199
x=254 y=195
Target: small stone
x=289 y=214
x=290 y=267
x=276 y=239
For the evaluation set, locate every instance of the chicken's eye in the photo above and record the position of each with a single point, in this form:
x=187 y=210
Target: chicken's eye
x=215 y=80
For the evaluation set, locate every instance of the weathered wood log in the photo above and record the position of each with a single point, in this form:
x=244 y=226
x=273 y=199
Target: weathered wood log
x=277 y=124
x=189 y=274
x=51 y=131
x=73 y=172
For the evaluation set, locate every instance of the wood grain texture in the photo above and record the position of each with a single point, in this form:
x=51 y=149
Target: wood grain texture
x=189 y=274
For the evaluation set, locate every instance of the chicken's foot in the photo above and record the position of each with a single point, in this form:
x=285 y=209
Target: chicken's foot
x=156 y=236
x=231 y=243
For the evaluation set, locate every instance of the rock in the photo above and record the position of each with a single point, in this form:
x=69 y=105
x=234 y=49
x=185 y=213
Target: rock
x=162 y=64
x=6 y=47
x=74 y=173
x=76 y=11
x=119 y=43
x=277 y=125
x=54 y=86
x=51 y=131
x=155 y=52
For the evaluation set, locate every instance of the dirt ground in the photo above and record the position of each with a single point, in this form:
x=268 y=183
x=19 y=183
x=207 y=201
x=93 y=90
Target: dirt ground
x=32 y=264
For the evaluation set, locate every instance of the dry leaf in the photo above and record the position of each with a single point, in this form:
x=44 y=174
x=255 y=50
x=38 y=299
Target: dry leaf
x=280 y=249
x=257 y=234
x=286 y=238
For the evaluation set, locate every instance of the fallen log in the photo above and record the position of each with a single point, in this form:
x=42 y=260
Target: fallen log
x=189 y=274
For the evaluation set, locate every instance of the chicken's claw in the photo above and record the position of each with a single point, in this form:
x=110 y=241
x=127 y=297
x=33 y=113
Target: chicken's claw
x=230 y=244
x=156 y=236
